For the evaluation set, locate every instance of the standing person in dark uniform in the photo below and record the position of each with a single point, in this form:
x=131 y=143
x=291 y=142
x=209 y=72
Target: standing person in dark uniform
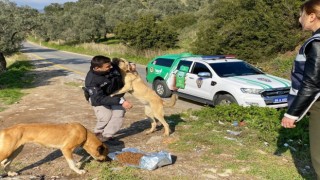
x=103 y=79
x=305 y=79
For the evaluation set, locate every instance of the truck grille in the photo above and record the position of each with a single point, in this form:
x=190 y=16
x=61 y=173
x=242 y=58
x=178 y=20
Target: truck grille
x=275 y=92
x=275 y=96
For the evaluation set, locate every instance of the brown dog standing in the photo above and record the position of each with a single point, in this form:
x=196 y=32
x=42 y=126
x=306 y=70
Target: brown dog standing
x=65 y=137
x=134 y=84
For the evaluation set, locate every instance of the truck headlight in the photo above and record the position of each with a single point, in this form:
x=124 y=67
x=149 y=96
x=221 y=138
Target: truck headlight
x=251 y=90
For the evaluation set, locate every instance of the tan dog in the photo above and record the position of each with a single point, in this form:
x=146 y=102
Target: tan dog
x=65 y=137
x=134 y=84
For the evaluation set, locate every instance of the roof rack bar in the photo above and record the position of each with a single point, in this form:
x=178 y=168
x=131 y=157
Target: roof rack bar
x=207 y=57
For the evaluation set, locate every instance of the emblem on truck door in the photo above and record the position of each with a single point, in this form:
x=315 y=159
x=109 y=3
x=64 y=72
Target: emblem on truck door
x=199 y=82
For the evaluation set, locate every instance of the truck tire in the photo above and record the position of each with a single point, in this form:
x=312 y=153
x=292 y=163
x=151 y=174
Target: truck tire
x=161 y=88
x=226 y=99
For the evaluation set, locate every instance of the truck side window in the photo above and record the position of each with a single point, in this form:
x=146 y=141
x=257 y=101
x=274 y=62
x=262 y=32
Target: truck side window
x=163 y=62
x=184 y=63
x=199 y=67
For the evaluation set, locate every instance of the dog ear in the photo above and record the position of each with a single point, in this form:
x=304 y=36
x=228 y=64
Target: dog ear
x=116 y=61
x=122 y=59
x=101 y=149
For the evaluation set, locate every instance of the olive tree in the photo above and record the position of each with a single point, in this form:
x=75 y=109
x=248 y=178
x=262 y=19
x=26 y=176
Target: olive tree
x=16 y=22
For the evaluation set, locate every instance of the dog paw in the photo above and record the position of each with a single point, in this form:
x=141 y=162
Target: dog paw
x=81 y=171
x=11 y=174
x=78 y=164
x=166 y=134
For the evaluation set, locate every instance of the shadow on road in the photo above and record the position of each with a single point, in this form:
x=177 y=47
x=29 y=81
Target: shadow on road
x=144 y=124
x=50 y=157
x=37 y=50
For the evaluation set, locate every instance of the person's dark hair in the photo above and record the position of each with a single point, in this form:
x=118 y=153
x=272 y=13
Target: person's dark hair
x=311 y=6
x=99 y=60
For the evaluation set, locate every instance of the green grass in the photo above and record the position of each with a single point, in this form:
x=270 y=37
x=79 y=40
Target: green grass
x=246 y=154
x=110 y=41
x=74 y=84
x=279 y=66
x=10 y=96
x=14 y=80
x=113 y=170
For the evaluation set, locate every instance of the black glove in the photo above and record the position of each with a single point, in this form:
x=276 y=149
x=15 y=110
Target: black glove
x=86 y=93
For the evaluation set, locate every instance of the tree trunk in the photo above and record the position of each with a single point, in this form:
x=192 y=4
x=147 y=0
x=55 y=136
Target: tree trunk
x=3 y=63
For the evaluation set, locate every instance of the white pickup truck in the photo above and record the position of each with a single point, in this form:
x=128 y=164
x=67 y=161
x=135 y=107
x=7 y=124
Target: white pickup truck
x=216 y=80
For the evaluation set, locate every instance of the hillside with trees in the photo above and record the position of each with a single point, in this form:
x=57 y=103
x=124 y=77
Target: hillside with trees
x=253 y=30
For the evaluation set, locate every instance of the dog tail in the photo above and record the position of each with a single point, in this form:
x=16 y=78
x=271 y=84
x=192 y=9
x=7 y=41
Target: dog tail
x=172 y=101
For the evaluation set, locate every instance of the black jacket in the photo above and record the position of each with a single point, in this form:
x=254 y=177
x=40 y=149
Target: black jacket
x=310 y=84
x=101 y=86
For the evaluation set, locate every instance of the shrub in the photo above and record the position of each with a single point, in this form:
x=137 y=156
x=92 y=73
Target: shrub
x=255 y=32
x=266 y=121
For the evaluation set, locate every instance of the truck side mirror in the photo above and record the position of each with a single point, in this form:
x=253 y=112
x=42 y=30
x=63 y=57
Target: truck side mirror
x=204 y=74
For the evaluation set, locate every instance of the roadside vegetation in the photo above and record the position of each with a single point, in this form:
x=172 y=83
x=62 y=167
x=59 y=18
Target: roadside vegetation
x=114 y=50
x=252 y=144
x=14 y=80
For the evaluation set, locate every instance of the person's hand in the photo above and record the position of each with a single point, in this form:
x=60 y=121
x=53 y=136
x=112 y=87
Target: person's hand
x=287 y=122
x=126 y=105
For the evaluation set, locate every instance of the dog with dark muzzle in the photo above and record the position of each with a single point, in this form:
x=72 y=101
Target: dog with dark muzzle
x=154 y=105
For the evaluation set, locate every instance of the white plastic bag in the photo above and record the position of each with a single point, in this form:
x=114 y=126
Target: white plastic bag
x=149 y=161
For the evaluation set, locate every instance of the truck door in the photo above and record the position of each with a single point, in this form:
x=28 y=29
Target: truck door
x=198 y=86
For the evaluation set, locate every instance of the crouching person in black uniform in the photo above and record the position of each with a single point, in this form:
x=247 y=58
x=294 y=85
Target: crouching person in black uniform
x=103 y=79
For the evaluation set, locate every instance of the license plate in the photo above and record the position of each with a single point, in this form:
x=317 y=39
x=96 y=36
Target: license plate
x=280 y=100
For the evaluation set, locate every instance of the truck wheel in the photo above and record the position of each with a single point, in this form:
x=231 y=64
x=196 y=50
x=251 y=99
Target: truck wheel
x=225 y=99
x=161 y=88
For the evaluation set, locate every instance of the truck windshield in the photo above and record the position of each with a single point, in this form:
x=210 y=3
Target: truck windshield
x=229 y=69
